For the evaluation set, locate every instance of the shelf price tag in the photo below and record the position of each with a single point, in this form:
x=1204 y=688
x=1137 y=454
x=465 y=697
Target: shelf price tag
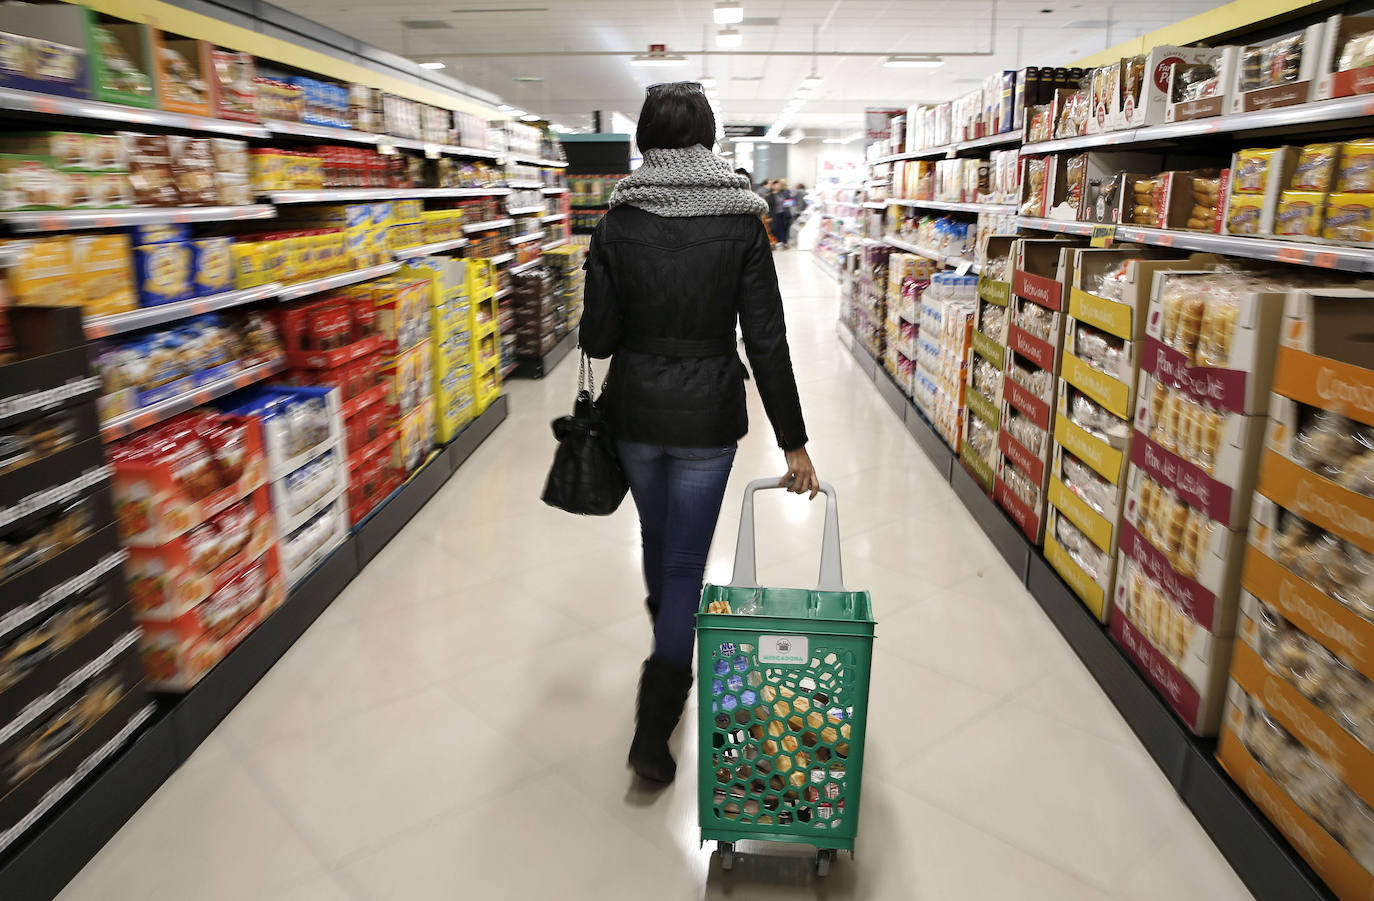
x=1103 y=235
x=964 y=267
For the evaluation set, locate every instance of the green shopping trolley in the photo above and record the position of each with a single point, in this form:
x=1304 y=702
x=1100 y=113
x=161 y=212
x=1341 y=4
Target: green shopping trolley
x=783 y=702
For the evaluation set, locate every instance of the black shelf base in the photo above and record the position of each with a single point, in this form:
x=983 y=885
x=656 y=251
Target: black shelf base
x=42 y=863
x=1261 y=857
x=538 y=367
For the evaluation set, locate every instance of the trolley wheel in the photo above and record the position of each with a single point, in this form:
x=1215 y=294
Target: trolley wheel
x=824 y=858
x=727 y=855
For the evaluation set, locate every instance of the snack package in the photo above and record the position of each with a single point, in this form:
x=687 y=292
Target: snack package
x=1350 y=217
x=1083 y=481
x=1356 y=172
x=1300 y=213
x=1316 y=168
x=1244 y=214
x=1251 y=172
x=1036 y=174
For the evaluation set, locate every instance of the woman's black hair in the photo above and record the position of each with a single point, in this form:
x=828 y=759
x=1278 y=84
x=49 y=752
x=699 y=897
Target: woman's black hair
x=675 y=115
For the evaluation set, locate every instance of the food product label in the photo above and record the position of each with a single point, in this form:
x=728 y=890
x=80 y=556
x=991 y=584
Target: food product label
x=1312 y=610
x=1099 y=312
x=1325 y=383
x=1026 y=518
x=1036 y=288
x=1088 y=591
x=1093 y=524
x=1102 y=457
x=1022 y=399
x=977 y=465
x=994 y=291
x=989 y=349
x=1352 y=81
x=983 y=408
x=1197 y=109
x=1279 y=95
x=1221 y=389
x=1198 y=602
x=1025 y=461
x=1041 y=353
x=1194 y=486
x=1180 y=694
x=1320 y=501
x=1111 y=393
x=784 y=650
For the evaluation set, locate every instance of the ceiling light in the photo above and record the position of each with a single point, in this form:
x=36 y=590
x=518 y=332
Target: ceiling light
x=729 y=12
x=729 y=38
x=833 y=141
x=530 y=117
x=505 y=108
x=434 y=65
x=515 y=113
x=811 y=82
x=658 y=55
x=914 y=62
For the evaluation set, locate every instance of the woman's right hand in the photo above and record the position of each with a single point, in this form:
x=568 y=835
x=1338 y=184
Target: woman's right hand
x=801 y=475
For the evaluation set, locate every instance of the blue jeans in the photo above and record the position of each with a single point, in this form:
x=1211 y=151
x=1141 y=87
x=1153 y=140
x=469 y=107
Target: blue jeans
x=678 y=492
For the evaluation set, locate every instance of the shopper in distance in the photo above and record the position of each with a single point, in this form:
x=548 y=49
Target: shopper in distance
x=682 y=256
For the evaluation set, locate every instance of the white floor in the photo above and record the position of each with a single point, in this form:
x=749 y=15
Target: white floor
x=455 y=725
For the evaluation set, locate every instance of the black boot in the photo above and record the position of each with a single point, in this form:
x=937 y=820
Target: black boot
x=662 y=692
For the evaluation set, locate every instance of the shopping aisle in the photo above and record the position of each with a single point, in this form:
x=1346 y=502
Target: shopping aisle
x=455 y=725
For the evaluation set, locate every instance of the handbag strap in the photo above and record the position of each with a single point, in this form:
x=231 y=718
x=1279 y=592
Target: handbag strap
x=586 y=378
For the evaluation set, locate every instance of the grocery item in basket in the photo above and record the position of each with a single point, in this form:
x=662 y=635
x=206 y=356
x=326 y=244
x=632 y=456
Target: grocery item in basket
x=993 y=319
x=982 y=438
x=1244 y=213
x=1177 y=422
x=1074 y=169
x=1206 y=193
x=1272 y=64
x=1251 y=172
x=1145 y=198
x=32 y=441
x=183 y=84
x=1164 y=623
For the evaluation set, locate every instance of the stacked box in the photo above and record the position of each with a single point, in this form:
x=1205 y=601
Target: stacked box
x=908 y=276
x=1298 y=733
x=1035 y=339
x=536 y=313
x=942 y=349
x=986 y=369
x=70 y=682
x=1109 y=297
x=1206 y=368
x=451 y=345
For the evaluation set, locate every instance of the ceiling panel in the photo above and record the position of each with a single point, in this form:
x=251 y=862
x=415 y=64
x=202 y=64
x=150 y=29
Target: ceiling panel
x=534 y=36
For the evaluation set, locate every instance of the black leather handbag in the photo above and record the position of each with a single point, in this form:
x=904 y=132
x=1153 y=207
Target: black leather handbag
x=586 y=477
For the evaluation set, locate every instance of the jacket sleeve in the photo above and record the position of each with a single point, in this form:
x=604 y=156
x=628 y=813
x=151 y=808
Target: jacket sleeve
x=765 y=342
x=600 y=330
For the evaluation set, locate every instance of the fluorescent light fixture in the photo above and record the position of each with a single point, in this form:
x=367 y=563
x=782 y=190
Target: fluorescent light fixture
x=505 y=108
x=914 y=62
x=729 y=38
x=515 y=113
x=729 y=12
x=833 y=141
x=432 y=65
x=530 y=117
x=811 y=82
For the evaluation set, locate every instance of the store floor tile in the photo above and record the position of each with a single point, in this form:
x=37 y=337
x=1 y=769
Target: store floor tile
x=455 y=725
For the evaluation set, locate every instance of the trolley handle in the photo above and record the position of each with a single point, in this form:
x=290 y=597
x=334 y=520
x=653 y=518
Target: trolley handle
x=745 y=573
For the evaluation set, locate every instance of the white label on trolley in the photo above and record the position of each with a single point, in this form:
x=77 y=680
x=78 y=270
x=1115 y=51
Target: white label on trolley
x=788 y=650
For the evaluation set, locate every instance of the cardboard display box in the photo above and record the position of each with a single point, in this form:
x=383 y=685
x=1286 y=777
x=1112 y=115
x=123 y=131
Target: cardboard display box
x=1223 y=61
x=1244 y=96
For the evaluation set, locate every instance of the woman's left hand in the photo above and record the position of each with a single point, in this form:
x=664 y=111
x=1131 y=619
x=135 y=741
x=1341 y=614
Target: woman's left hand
x=801 y=474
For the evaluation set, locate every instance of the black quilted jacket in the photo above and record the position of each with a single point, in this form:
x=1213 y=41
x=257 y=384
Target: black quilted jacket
x=662 y=296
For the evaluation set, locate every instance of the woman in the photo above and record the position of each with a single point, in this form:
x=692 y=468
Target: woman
x=681 y=255
x=782 y=216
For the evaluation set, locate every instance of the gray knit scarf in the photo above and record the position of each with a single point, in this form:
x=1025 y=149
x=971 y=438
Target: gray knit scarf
x=687 y=181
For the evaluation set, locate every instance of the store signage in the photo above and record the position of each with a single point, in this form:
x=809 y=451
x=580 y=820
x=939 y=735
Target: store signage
x=745 y=131
x=878 y=124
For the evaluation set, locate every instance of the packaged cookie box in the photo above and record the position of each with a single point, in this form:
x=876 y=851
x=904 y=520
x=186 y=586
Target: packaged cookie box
x=1182 y=548
x=1301 y=792
x=122 y=62
x=486 y=382
x=371 y=481
x=1258 y=177
x=184 y=70
x=1197 y=89
x=43 y=49
x=415 y=437
x=1347 y=60
x=174 y=477
x=233 y=85
x=1277 y=73
x=407 y=375
x=1181 y=658
x=178 y=652
x=298 y=424
x=1214 y=337
x=1038 y=185
x=170 y=579
x=302 y=493
x=304 y=549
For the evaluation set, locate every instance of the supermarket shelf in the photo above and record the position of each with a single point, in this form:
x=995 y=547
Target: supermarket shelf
x=526 y=238
x=538 y=161
x=951 y=261
x=538 y=367
x=49 y=857
x=9 y=254
x=1263 y=859
x=523 y=267
x=487 y=224
x=142 y=418
x=875 y=204
x=424 y=250
x=502 y=258
x=556 y=217
x=342 y=279
x=526 y=210
x=827 y=267
x=32 y=103
x=341 y=195
x=67 y=220
x=475 y=152
x=1302 y=253
x=553 y=244
x=954 y=207
x=117 y=323
x=1341 y=113
x=1006 y=139
x=555 y=189
x=524 y=184
x=503 y=292
x=321 y=132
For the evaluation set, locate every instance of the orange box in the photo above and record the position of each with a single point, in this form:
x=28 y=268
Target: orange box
x=43 y=274
x=103 y=267
x=184 y=73
x=1335 y=508
x=1329 y=622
